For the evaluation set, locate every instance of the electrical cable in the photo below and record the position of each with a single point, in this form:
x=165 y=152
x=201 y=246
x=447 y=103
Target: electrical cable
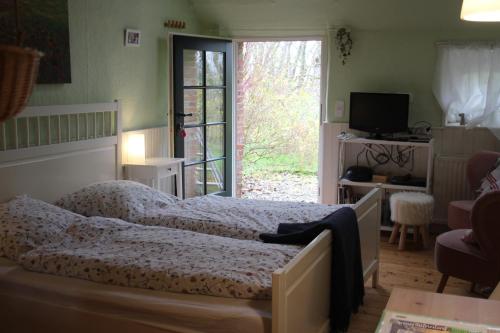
x=377 y=155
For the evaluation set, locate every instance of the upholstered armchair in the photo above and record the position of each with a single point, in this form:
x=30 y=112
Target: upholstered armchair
x=478 y=166
x=480 y=262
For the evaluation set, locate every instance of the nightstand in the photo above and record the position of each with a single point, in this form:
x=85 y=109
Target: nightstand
x=153 y=170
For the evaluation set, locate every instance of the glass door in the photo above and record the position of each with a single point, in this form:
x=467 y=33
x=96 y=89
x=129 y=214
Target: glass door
x=202 y=113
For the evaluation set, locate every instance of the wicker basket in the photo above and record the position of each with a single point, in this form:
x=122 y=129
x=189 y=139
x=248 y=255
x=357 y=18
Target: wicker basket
x=18 y=74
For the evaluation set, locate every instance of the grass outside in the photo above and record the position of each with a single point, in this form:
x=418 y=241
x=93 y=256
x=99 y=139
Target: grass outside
x=279 y=164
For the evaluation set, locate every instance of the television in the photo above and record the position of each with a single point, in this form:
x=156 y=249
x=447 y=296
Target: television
x=379 y=113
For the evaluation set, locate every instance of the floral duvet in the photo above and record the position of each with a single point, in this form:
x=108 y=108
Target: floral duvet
x=48 y=239
x=228 y=217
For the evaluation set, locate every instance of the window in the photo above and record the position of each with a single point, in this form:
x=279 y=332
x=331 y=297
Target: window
x=468 y=82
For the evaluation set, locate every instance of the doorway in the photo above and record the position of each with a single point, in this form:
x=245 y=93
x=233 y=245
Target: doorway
x=202 y=118
x=277 y=119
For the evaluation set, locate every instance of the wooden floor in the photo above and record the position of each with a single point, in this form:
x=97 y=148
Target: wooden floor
x=412 y=268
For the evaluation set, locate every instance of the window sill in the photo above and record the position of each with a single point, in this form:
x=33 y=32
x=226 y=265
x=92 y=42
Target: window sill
x=454 y=125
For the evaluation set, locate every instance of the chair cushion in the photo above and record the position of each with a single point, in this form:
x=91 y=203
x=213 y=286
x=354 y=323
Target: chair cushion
x=456 y=258
x=459 y=214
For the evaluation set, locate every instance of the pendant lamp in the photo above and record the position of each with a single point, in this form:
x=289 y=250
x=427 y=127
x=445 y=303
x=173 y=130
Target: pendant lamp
x=481 y=10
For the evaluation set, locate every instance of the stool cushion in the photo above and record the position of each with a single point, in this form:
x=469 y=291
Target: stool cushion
x=459 y=214
x=411 y=208
x=459 y=259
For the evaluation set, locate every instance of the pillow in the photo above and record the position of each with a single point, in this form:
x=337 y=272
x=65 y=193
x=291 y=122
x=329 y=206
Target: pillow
x=492 y=187
x=469 y=237
x=492 y=180
x=26 y=223
x=122 y=199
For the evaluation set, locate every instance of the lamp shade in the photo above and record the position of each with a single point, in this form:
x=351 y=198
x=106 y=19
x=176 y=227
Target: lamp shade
x=136 y=149
x=481 y=10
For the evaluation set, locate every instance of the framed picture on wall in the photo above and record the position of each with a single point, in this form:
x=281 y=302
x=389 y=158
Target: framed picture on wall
x=132 y=38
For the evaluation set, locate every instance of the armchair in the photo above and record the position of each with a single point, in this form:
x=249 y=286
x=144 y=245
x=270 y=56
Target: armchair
x=478 y=166
x=476 y=263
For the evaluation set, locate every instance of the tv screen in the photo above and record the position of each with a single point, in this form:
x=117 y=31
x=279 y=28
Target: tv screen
x=379 y=113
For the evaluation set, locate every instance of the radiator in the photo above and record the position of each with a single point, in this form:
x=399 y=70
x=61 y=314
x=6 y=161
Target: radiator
x=449 y=184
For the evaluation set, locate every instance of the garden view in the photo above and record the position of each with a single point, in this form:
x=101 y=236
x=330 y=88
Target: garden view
x=279 y=90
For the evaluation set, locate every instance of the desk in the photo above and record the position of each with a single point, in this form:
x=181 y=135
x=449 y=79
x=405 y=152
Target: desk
x=153 y=170
x=450 y=307
x=496 y=294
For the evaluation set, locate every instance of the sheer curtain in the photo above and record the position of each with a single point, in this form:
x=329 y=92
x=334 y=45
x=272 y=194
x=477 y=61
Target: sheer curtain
x=468 y=81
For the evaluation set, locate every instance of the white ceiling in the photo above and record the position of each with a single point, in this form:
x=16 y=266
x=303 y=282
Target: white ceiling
x=240 y=16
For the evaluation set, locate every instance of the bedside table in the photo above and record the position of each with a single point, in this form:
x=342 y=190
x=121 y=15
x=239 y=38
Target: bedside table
x=153 y=170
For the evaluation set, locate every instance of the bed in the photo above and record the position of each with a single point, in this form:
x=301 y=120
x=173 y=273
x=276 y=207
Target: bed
x=211 y=214
x=57 y=150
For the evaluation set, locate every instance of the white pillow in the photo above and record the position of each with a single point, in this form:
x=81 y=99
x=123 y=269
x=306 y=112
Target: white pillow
x=122 y=199
x=26 y=223
x=492 y=180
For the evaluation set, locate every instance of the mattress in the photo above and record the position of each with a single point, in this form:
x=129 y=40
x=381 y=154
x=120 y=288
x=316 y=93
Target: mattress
x=59 y=304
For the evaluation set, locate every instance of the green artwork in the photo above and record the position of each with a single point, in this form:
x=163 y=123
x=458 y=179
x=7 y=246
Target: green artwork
x=45 y=27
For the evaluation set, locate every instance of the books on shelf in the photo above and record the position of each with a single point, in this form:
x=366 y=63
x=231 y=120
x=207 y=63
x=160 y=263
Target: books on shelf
x=396 y=322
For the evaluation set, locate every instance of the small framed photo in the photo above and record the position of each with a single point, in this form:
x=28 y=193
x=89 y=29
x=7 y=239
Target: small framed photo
x=132 y=38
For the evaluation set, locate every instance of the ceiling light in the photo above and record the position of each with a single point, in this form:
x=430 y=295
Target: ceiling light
x=481 y=10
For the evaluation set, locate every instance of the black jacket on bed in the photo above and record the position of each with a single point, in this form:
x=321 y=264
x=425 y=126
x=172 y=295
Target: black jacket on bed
x=347 y=285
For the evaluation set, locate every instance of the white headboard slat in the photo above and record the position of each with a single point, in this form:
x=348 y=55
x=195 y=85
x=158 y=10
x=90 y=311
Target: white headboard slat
x=48 y=171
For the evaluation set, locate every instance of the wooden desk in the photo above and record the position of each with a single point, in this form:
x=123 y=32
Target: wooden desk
x=451 y=307
x=496 y=294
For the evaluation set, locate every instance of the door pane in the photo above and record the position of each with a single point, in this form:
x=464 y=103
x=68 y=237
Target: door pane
x=193 y=68
x=193 y=103
x=194 y=176
x=215 y=176
x=215 y=141
x=215 y=68
x=193 y=149
x=215 y=105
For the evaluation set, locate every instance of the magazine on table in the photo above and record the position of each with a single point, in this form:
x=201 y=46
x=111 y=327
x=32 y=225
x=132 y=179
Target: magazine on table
x=395 y=322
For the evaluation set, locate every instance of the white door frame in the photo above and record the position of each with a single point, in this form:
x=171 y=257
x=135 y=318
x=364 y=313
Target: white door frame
x=323 y=84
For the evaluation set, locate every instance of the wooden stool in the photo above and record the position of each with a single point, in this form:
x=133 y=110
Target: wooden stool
x=411 y=209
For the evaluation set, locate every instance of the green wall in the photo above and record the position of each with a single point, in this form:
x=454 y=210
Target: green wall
x=104 y=70
x=394 y=61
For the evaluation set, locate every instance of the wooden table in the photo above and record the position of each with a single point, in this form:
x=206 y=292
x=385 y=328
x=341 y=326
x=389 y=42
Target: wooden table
x=450 y=307
x=496 y=294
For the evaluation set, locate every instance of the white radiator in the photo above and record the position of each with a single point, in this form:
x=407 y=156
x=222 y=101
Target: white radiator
x=449 y=184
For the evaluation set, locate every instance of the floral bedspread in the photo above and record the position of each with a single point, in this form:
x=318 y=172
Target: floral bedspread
x=232 y=217
x=48 y=239
x=229 y=217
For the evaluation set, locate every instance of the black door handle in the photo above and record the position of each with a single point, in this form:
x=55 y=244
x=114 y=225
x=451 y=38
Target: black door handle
x=177 y=114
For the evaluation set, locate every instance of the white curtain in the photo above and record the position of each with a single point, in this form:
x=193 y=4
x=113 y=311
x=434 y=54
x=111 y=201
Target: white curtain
x=468 y=81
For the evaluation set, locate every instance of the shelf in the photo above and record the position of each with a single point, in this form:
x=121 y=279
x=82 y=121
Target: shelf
x=346 y=182
x=388 y=142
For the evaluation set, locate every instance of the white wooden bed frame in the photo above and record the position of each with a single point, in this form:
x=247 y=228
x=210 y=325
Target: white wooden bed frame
x=300 y=300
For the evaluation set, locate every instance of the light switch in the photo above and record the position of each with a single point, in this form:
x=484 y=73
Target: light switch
x=339 y=109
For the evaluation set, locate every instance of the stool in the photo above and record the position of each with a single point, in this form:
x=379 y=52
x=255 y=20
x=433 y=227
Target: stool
x=411 y=209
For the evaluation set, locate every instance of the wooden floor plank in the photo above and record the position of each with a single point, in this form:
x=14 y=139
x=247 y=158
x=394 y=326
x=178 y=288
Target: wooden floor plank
x=413 y=268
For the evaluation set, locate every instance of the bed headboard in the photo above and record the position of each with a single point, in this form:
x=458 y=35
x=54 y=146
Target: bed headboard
x=49 y=151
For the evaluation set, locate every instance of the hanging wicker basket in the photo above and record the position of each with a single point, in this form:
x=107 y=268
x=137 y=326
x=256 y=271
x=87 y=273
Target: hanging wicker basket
x=18 y=74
